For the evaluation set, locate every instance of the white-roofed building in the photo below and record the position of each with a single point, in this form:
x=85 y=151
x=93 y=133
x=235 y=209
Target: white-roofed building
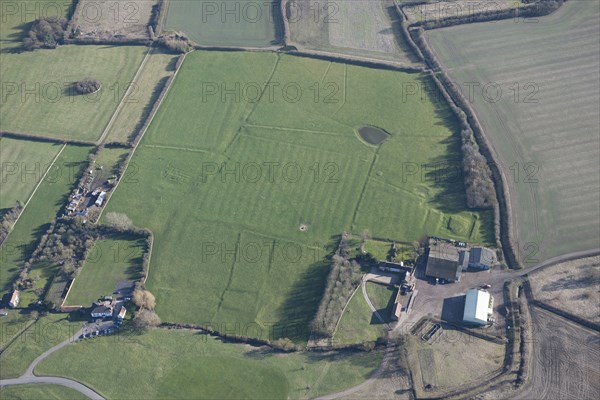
x=479 y=305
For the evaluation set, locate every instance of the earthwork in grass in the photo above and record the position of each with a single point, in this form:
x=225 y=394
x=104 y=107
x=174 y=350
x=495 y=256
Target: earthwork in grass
x=239 y=177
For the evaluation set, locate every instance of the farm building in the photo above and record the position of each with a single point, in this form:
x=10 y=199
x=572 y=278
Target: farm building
x=102 y=311
x=479 y=306
x=122 y=313
x=100 y=199
x=481 y=258
x=443 y=261
x=14 y=299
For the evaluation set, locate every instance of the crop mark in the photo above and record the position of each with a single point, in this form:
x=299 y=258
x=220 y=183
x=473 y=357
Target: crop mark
x=159 y=146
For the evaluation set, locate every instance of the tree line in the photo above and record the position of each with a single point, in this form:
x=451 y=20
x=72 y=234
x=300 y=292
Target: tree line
x=343 y=279
x=8 y=220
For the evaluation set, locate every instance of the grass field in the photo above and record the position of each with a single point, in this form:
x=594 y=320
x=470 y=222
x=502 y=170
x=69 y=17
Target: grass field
x=239 y=23
x=159 y=66
x=110 y=261
x=544 y=126
x=358 y=323
x=38 y=85
x=12 y=324
x=352 y=186
x=39 y=392
x=45 y=204
x=23 y=163
x=332 y=26
x=46 y=332
x=382 y=298
x=197 y=366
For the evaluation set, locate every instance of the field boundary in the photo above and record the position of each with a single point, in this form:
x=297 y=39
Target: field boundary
x=48 y=139
x=116 y=113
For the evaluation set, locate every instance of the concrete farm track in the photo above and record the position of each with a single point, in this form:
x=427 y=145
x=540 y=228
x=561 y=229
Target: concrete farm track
x=29 y=376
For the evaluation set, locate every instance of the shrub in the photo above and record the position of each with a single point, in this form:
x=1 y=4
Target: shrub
x=176 y=43
x=87 y=85
x=146 y=319
x=46 y=32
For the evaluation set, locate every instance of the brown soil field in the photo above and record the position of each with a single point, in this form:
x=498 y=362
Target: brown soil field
x=573 y=286
x=443 y=9
x=452 y=360
x=564 y=363
x=113 y=19
x=367 y=28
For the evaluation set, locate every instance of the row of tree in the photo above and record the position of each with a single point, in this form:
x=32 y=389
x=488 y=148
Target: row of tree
x=344 y=277
x=479 y=187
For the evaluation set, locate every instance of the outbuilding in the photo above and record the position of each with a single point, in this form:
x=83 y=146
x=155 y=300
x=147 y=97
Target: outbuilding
x=481 y=258
x=14 y=299
x=479 y=306
x=102 y=312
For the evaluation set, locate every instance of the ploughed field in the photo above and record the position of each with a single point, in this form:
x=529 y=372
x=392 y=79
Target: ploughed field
x=536 y=91
x=367 y=28
x=253 y=167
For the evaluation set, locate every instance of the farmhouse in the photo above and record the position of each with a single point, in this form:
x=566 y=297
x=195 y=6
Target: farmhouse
x=102 y=311
x=479 y=306
x=14 y=299
x=444 y=261
x=481 y=258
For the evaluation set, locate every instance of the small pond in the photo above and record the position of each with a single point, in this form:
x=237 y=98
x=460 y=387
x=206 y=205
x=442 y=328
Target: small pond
x=372 y=134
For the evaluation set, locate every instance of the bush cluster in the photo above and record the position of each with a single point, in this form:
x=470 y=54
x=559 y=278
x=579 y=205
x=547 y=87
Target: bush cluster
x=176 y=43
x=8 y=220
x=343 y=279
x=87 y=86
x=46 y=32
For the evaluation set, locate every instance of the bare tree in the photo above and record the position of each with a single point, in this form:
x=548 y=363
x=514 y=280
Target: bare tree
x=144 y=299
x=146 y=319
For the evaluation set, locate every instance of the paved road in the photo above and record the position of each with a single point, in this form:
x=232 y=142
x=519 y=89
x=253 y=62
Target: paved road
x=53 y=380
x=29 y=377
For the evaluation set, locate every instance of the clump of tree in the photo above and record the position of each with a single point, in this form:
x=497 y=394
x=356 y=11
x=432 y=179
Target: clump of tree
x=146 y=319
x=344 y=277
x=477 y=174
x=176 y=43
x=68 y=244
x=144 y=299
x=87 y=85
x=46 y=33
x=285 y=344
x=8 y=220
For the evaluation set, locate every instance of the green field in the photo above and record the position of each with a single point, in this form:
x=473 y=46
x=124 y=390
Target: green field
x=46 y=332
x=159 y=66
x=37 y=95
x=339 y=184
x=197 y=366
x=358 y=323
x=42 y=209
x=239 y=23
x=23 y=163
x=110 y=261
x=39 y=392
x=382 y=297
x=544 y=125
x=332 y=27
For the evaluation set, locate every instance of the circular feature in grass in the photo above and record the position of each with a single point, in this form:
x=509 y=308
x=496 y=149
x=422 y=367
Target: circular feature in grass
x=303 y=227
x=372 y=134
